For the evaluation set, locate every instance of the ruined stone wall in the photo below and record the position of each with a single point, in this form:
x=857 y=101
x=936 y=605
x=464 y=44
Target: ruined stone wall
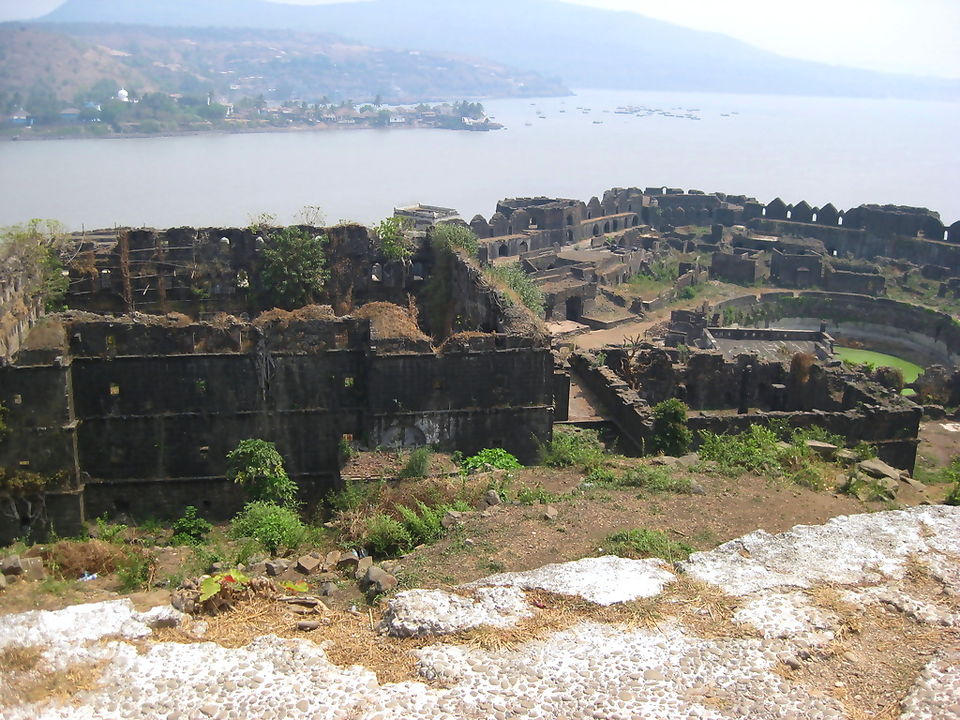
x=923 y=336
x=20 y=302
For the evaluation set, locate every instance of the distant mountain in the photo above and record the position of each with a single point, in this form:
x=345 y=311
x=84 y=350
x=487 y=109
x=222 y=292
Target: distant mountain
x=66 y=59
x=585 y=47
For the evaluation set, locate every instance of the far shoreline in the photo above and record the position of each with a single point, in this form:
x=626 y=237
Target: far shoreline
x=30 y=137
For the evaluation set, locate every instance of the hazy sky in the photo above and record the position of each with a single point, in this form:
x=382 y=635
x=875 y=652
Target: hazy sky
x=913 y=36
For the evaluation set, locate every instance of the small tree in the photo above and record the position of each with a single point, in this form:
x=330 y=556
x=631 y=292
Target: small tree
x=294 y=268
x=40 y=249
x=258 y=467
x=671 y=436
x=391 y=239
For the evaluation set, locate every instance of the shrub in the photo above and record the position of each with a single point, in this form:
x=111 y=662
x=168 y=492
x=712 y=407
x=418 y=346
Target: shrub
x=642 y=543
x=385 y=536
x=294 y=268
x=191 y=529
x=258 y=467
x=671 y=436
x=573 y=446
x=425 y=526
x=273 y=526
x=490 y=459
x=134 y=571
x=418 y=464
x=393 y=244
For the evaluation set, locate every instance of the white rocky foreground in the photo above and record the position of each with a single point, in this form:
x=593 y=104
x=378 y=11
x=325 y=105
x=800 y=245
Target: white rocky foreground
x=590 y=670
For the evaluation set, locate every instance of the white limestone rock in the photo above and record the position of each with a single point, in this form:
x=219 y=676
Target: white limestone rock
x=422 y=613
x=603 y=580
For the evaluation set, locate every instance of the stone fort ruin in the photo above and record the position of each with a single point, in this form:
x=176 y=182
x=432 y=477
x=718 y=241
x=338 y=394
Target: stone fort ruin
x=129 y=402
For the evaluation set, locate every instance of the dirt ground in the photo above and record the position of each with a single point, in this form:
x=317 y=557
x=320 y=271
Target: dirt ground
x=520 y=537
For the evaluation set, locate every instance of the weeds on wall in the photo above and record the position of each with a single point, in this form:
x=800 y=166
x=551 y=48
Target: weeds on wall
x=519 y=283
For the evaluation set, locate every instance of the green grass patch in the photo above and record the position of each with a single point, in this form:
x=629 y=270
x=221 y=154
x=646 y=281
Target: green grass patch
x=642 y=543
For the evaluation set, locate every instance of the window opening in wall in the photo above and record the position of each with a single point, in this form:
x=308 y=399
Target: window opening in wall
x=114 y=389
x=376 y=273
x=18 y=399
x=569 y=219
x=348 y=382
x=569 y=235
x=840 y=220
x=504 y=251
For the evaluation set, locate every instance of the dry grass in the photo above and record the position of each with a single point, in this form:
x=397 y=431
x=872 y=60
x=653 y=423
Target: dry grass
x=283 y=318
x=74 y=557
x=391 y=321
x=704 y=609
x=25 y=680
x=20 y=658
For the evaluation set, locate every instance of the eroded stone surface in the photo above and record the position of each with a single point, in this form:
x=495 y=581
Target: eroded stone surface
x=936 y=694
x=603 y=580
x=421 y=613
x=588 y=670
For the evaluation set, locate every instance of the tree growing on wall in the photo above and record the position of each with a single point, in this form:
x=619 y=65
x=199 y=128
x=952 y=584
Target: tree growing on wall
x=393 y=244
x=257 y=466
x=294 y=268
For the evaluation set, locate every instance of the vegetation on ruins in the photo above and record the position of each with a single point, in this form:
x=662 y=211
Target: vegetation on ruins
x=391 y=240
x=449 y=236
x=38 y=246
x=445 y=239
x=670 y=433
x=513 y=277
x=771 y=451
x=258 y=467
x=294 y=268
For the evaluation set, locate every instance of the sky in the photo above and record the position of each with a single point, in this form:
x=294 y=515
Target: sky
x=909 y=36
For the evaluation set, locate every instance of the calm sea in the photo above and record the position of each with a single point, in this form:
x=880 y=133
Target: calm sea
x=820 y=150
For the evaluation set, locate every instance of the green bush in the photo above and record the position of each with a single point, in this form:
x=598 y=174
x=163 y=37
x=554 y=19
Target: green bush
x=385 y=536
x=670 y=433
x=489 y=459
x=418 y=464
x=258 y=467
x=642 y=543
x=423 y=525
x=273 y=526
x=572 y=446
x=133 y=571
x=191 y=529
